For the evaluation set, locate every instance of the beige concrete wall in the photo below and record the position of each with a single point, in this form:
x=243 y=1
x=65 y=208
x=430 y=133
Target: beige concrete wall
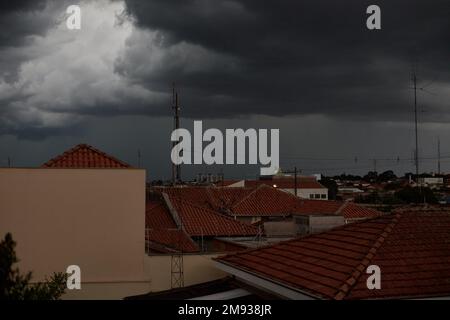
x=280 y=228
x=93 y=218
x=197 y=269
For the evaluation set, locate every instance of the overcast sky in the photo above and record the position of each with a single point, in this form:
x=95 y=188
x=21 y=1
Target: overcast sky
x=339 y=93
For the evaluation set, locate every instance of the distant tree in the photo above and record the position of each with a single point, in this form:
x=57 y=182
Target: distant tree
x=371 y=176
x=347 y=177
x=15 y=286
x=416 y=195
x=332 y=187
x=377 y=198
x=386 y=176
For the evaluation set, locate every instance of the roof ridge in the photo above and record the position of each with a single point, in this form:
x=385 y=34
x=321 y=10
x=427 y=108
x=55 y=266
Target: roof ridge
x=214 y=212
x=104 y=154
x=61 y=155
x=341 y=208
x=345 y=288
x=261 y=186
x=247 y=196
x=311 y=235
x=212 y=200
x=80 y=147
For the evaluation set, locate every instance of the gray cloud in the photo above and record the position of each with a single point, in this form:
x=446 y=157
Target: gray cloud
x=308 y=64
x=301 y=57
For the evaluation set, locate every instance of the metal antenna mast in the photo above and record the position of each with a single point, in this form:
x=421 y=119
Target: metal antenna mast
x=416 y=155
x=439 y=155
x=177 y=263
x=176 y=169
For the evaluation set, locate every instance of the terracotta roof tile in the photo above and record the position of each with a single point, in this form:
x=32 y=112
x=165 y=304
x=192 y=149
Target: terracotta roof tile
x=171 y=240
x=200 y=221
x=85 y=156
x=264 y=200
x=162 y=231
x=411 y=248
x=165 y=236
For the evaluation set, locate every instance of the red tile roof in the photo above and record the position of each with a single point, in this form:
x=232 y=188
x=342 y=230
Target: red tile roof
x=264 y=201
x=200 y=221
x=411 y=248
x=85 y=156
x=348 y=210
x=354 y=211
x=162 y=232
x=219 y=199
x=165 y=236
x=170 y=240
x=269 y=201
x=157 y=216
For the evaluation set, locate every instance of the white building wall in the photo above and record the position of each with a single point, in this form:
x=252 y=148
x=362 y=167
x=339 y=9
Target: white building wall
x=306 y=193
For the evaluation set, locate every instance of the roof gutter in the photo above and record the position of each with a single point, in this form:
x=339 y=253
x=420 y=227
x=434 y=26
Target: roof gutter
x=264 y=284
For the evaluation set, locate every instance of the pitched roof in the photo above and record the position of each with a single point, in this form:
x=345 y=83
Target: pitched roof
x=162 y=233
x=170 y=240
x=268 y=201
x=264 y=200
x=84 y=156
x=219 y=199
x=412 y=250
x=201 y=221
x=348 y=210
x=196 y=220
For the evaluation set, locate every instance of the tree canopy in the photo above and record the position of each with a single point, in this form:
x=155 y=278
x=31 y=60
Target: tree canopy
x=17 y=286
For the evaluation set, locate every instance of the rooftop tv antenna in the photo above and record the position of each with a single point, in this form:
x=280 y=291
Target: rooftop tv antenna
x=416 y=153
x=422 y=88
x=177 y=262
x=439 y=155
x=176 y=169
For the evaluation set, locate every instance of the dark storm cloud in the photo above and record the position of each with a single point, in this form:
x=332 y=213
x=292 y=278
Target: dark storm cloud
x=20 y=21
x=15 y=22
x=301 y=57
x=230 y=59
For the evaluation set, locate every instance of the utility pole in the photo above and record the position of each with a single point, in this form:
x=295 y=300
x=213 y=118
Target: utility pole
x=296 y=184
x=439 y=155
x=295 y=180
x=416 y=155
x=176 y=169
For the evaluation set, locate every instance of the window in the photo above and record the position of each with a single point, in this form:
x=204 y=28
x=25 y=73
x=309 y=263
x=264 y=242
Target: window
x=323 y=196
x=311 y=196
x=317 y=196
